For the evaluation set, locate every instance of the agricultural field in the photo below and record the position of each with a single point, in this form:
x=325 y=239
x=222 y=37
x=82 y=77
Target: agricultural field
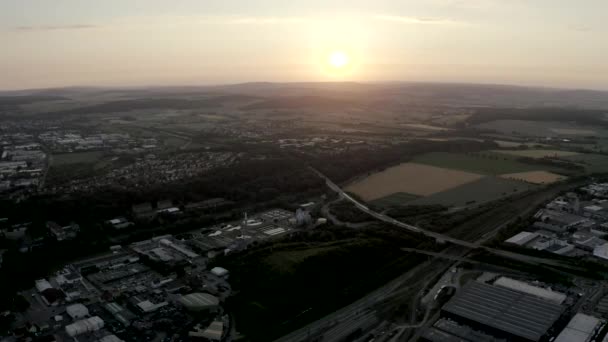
x=537 y=153
x=76 y=158
x=512 y=144
x=484 y=190
x=411 y=178
x=487 y=163
x=593 y=163
x=535 y=177
x=396 y=199
x=541 y=128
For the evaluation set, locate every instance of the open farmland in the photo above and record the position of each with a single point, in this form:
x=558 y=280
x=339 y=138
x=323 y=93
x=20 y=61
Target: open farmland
x=535 y=177
x=484 y=190
x=537 y=153
x=540 y=128
x=396 y=199
x=411 y=178
x=593 y=163
x=488 y=163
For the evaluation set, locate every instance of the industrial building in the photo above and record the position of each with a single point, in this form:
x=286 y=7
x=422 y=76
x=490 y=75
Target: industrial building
x=77 y=311
x=581 y=328
x=540 y=292
x=503 y=312
x=213 y=332
x=445 y=330
x=84 y=326
x=199 y=302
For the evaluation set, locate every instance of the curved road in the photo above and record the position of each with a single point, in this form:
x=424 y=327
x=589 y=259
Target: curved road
x=441 y=237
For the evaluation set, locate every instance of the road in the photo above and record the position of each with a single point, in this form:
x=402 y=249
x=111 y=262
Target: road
x=336 y=325
x=349 y=315
x=442 y=237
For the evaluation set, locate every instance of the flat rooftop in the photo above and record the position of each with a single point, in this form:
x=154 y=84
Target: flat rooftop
x=513 y=312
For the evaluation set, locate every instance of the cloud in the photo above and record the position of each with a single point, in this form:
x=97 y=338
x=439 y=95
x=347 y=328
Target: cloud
x=419 y=20
x=580 y=28
x=266 y=20
x=55 y=27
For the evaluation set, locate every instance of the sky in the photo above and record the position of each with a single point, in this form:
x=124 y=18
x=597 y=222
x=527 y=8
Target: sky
x=56 y=43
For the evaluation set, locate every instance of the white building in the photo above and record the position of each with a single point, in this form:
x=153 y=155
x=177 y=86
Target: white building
x=548 y=294
x=84 y=326
x=219 y=271
x=601 y=251
x=77 y=311
x=581 y=328
x=522 y=238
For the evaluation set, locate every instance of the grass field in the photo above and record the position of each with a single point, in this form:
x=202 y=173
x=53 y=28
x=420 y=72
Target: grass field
x=535 y=177
x=412 y=178
x=76 y=158
x=488 y=163
x=540 y=128
x=396 y=199
x=484 y=190
x=511 y=144
x=537 y=153
x=594 y=163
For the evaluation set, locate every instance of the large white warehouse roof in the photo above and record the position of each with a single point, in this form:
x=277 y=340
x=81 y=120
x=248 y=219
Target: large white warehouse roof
x=77 y=311
x=199 y=301
x=83 y=326
x=555 y=297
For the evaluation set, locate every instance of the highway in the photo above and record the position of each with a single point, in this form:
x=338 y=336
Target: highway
x=358 y=313
x=351 y=315
x=441 y=237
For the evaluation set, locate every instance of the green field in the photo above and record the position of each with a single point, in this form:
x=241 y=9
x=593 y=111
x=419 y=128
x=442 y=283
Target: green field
x=396 y=199
x=76 y=158
x=594 y=163
x=484 y=190
x=541 y=128
x=487 y=163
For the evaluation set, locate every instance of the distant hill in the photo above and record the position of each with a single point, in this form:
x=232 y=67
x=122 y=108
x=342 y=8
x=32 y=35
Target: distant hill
x=334 y=94
x=16 y=100
x=157 y=103
x=309 y=102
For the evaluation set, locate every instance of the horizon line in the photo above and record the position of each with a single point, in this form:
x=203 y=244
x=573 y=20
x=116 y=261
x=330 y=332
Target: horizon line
x=229 y=84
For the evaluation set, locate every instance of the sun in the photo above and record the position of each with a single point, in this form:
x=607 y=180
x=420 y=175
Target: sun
x=338 y=59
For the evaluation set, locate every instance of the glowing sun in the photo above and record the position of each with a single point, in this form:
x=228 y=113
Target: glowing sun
x=338 y=59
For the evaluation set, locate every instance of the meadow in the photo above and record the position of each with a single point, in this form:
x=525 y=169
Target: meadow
x=484 y=190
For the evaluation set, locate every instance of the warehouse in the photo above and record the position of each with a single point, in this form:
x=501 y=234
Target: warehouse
x=537 y=291
x=581 y=328
x=77 y=311
x=503 y=312
x=84 y=326
x=199 y=301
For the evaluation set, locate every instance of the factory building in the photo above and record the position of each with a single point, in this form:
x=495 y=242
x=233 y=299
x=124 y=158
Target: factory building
x=540 y=292
x=199 y=302
x=84 y=326
x=581 y=328
x=77 y=311
x=503 y=312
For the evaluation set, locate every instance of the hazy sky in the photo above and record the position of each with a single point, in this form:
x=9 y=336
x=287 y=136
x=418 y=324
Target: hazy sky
x=561 y=43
